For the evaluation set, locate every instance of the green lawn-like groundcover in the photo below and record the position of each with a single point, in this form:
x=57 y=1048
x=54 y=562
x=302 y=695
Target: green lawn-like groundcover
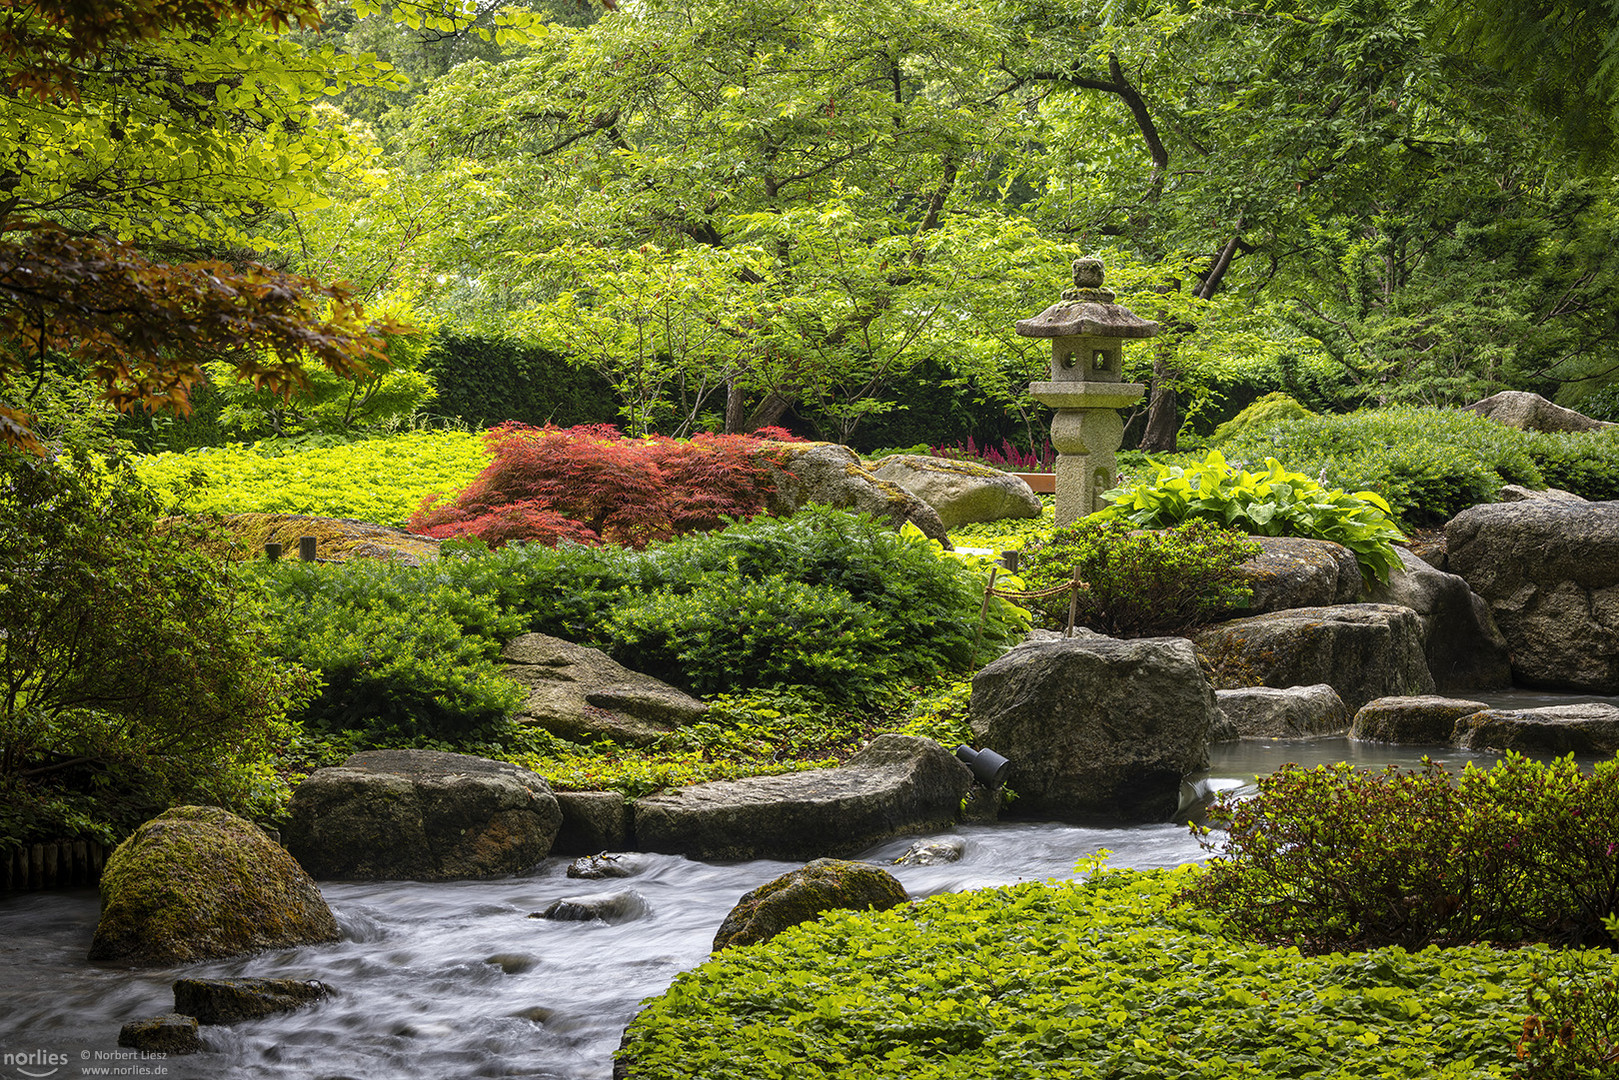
x=1101 y=978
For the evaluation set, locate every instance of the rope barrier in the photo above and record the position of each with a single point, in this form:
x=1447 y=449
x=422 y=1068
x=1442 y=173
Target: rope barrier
x=1076 y=586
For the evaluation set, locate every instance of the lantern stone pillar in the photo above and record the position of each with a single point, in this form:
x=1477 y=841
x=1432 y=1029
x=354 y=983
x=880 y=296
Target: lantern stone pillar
x=1087 y=331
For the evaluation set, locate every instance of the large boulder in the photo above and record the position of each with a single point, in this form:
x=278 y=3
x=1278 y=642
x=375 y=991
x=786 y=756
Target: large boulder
x=896 y=785
x=582 y=694
x=961 y=491
x=421 y=815
x=1363 y=651
x=833 y=475
x=1549 y=571
x=1095 y=727
x=1294 y=572
x=1465 y=650
x=199 y=883
x=1591 y=728
x=1423 y=720
x=802 y=895
x=1296 y=712
x=1519 y=493
x=1531 y=412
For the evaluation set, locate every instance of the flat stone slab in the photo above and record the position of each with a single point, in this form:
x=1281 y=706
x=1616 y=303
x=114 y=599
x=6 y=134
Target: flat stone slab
x=896 y=785
x=421 y=815
x=1419 y=720
x=1556 y=729
x=226 y=1001
x=1296 y=712
x=582 y=694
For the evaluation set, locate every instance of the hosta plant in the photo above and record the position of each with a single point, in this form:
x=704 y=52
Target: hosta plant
x=1275 y=502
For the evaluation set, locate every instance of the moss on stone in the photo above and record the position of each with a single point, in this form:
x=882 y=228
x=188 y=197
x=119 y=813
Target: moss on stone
x=802 y=895
x=200 y=883
x=336 y=539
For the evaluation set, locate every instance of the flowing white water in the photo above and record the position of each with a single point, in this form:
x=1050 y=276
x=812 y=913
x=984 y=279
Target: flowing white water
x=455 y=981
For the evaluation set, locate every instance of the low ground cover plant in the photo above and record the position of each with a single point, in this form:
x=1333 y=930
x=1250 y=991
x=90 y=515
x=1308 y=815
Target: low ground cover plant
x=1275 y=502
x=1102 y=978
x=1137 y=582
x=1341 y=858
x=380 y=480
x=591 y=484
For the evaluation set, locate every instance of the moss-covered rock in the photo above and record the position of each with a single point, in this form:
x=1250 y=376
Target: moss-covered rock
x=336 y=539
x=167 y=1034
x=200 y=883
x=962 y=492
x=799 y=896
x=833 y=475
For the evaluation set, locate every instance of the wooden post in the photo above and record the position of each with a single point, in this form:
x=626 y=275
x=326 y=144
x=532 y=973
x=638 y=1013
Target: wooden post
x=983 y=612
x=306 y=548
x=1073 y=603
x=272 y=550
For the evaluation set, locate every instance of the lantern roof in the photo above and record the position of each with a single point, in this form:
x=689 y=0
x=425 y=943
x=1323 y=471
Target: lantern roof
x=1087 y=310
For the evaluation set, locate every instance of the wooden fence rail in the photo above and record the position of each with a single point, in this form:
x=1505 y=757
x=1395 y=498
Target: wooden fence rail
x=51 y=866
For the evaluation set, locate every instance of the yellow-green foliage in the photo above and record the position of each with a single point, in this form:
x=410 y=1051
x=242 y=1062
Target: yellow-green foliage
x=381 y=480
x=1268 y=411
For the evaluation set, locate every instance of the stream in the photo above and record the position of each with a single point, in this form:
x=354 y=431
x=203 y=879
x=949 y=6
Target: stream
x=453 y=980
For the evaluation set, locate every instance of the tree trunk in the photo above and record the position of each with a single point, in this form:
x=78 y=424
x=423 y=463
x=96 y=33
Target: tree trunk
x=736 y=409
x=1163 y=419
x=769 y=411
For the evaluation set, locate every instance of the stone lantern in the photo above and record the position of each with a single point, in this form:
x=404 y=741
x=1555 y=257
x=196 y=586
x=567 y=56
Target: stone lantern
x=1087 y=331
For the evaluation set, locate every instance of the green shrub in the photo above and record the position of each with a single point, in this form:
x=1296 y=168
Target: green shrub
x=402 y=652
x=1139 y=582
x=923 y=601
x=1572 y=1030
x=1335 y=857
x=1270 y=409
x=732 y=631
x=133 y=662
x=824 y=599
x=1271 y=503
x=1586 y=463
x=1097 y=979
x=1429 y=464
x=485 y=381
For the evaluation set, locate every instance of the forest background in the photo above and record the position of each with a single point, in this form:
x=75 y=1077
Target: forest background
x=680 y=215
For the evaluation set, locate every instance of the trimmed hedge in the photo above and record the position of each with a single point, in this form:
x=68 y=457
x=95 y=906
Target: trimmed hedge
x=486 y=381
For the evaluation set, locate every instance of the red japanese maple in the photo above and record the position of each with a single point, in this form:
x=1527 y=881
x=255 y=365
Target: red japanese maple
x=592 y=483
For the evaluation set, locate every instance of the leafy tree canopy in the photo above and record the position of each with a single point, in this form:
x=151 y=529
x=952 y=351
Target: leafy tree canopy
x=175 y=126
